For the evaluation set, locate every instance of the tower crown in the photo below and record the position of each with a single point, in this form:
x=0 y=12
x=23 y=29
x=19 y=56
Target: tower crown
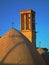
x=27 y=11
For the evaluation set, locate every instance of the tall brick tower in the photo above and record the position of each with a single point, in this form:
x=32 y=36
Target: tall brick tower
x=27 y=23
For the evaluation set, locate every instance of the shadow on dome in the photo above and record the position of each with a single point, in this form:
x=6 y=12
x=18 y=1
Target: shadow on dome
x=46 y=57
x=12 y=64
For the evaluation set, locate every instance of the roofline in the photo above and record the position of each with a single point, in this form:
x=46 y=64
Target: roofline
x=27 y=11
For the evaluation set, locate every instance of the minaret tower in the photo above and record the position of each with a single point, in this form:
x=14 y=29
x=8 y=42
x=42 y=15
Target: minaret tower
x=27 y=23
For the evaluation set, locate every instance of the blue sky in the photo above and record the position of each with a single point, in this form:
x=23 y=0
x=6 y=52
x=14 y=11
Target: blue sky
x=10 y=11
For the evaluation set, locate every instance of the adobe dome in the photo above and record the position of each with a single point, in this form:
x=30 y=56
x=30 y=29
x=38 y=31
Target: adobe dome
x=40 y=50
x=16 y=49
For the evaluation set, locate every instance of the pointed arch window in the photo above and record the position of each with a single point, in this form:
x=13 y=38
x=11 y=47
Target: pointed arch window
x=28 y=22
x=22 y=22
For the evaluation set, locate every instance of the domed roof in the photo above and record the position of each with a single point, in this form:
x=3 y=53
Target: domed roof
x=15 y=48
x=40 y=50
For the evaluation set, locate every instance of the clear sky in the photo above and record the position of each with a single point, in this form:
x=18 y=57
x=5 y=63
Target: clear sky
x=10 y=11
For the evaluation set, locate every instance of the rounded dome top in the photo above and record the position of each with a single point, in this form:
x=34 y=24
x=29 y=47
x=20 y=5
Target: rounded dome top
x=40 y=50
x=15 y=48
